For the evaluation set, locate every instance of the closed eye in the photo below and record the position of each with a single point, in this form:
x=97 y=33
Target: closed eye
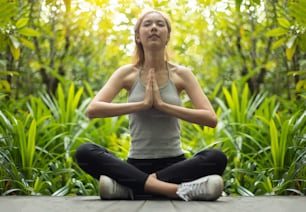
x=158 y=23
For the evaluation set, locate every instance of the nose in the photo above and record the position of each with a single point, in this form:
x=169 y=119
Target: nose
x=154 y=28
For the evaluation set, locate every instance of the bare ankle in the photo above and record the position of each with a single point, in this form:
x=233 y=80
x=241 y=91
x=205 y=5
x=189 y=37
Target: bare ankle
x=156 y=186
x=153 y=175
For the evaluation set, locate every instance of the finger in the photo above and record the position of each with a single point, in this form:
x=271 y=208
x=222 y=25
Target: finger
x=149 y=79
x=153 y=79
x=151 y=73
x=155 y=85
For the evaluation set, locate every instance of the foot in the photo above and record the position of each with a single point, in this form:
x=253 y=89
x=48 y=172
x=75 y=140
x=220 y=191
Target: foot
x=110 y=189
x=207 y=188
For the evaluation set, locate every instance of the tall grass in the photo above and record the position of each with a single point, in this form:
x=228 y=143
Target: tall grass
x=38 y=144
x=265 y=145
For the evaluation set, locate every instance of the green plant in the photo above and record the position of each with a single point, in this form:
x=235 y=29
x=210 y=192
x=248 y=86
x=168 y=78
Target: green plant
x=265 y=146
x=38 y=146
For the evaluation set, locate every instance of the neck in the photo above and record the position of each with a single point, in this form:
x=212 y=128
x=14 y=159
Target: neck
x=154 y=60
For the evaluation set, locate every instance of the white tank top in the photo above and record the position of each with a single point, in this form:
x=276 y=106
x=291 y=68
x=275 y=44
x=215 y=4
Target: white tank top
x=154 y=133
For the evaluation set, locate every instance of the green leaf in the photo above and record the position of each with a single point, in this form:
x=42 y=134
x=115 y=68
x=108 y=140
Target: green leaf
x=283 y=143
x=29 y=32
x=290 y=52
x=244 y=103
x=15 y=43
x=274 y=142
x=297 y=73
x=278 y=43
x=276 y=32
x=30 y=149
x=235 y=95
x=228 y=98
x=27 y=43
x=301 y=85
x=62 y=191
x=291 y=41
x=11 y=73
x=22 y=22
x=4 y=84
x=244 y=191
x=15 y=51
x=284 y=22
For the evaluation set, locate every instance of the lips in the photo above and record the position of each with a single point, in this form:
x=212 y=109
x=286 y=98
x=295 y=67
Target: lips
x=153 y=36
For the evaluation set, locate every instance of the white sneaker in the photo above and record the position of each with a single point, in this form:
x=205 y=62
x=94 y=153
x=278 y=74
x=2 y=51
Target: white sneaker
x=110 y=189
x=207 y=188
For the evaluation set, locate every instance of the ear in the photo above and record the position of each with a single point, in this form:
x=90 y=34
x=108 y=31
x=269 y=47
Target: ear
x=137 y=38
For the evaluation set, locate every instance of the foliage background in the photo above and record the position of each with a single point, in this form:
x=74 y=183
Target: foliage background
x=249 y=56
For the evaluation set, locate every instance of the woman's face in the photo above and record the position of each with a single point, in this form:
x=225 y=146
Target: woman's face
x=153 y=31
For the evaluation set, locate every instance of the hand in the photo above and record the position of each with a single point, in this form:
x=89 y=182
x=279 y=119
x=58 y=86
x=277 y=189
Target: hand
x=148 y=99
x=157 y=103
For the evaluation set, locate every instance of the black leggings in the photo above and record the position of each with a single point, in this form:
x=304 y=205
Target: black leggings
x=96 y=161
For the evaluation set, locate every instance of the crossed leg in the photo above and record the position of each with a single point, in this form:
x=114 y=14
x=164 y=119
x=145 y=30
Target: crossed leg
x=96 y=161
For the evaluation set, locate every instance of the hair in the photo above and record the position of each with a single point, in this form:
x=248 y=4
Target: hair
x=139 y=57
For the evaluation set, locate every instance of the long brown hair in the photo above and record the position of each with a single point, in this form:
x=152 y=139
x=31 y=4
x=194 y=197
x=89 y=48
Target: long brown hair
x=139 y=57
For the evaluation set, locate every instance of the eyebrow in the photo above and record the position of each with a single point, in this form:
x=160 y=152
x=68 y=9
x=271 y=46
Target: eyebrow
x=149 y=20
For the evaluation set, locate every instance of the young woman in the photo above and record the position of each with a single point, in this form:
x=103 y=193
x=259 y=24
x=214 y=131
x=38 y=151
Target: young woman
x=156 y=163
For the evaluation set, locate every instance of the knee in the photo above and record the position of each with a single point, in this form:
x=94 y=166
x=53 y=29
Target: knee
x=220 y=158
x=216 y=157
x=84 y=152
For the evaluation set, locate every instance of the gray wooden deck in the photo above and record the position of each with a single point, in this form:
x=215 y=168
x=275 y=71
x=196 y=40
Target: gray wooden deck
x=93 y=203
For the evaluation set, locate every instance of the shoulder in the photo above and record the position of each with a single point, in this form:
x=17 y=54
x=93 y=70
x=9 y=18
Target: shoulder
x=127 y=74
x=179 y=70
x=181 y=75
x=126 y=69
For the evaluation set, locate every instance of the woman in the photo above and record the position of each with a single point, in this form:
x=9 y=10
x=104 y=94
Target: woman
x=156 y=164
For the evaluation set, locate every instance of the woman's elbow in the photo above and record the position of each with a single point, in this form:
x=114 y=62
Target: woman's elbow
x=90 y=112
x=214 y=121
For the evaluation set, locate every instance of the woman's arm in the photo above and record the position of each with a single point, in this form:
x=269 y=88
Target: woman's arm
x=101 y=106
x=203 y=112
